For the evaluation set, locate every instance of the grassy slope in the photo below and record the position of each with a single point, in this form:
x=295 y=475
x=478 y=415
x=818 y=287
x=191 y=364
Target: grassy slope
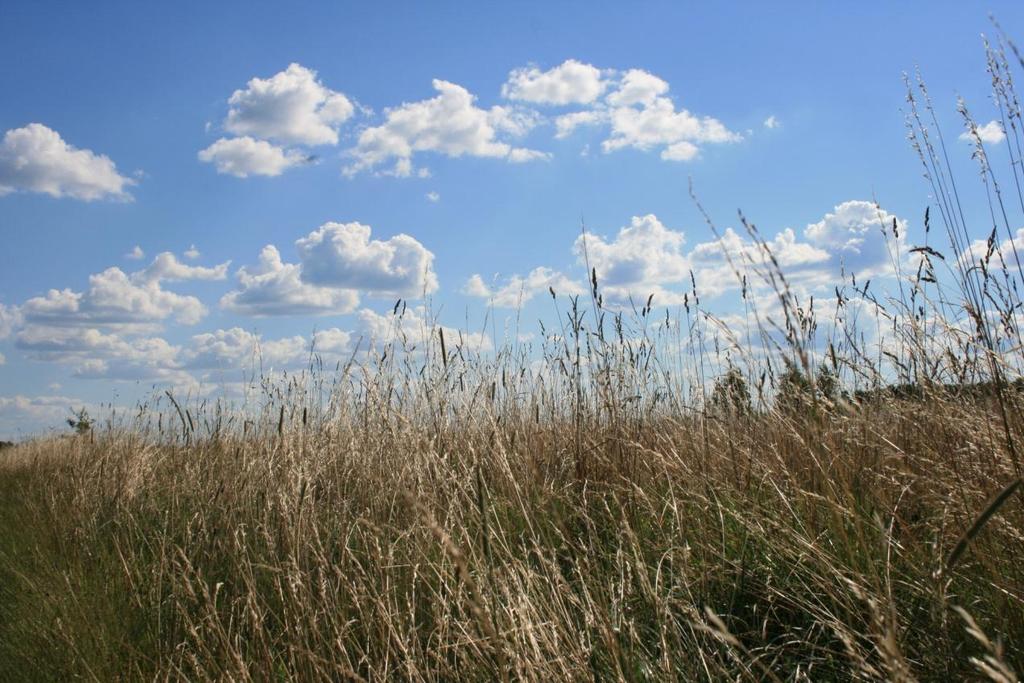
x=379 y=546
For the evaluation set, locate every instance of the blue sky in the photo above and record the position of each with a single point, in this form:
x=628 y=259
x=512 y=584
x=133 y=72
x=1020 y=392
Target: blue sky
x=131 y=125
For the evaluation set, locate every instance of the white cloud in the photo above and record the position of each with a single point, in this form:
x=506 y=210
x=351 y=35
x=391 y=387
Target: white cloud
x=3 y=359
x=771 y=122
x=784 y=246
x=715 y=274
x=291 y=107
x=343 y=255
x=680 y=151
x=1010 y=250
x=515 y=121
x=238 y=348
x=337 y=262
x=522 y=156
x=636 y=108
x=642 y=259
x=566 y=124
x=449 y=124
x=415 y=328
x=433 y=197
x=119 y=299
x=246 y=156
x=273 y=287
x=136 y=254
x=97 y=355
x=657 y=123
x=235 y=347
x=192 y=253
x=475 y=286
x=517 y=290
x=332 y=343
x=93 y=354
x=637 y=87
x=112 y=299
x=991 y=133
x=571 y=82
x=166 y=266
x=849 y=239
x=853 y=233
x=645 y=258
x=10 y=319
x=36 y=159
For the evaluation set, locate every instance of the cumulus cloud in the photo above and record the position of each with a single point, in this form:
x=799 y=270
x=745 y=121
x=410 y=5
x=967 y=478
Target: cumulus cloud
x=449 y=124
x=191 y=253
x=166 y=266
x=273 y=287
x=517 y=290
x=235 y=348
x=433 y=197
x=788 y=252
x=337 y=262
x=291 y=107
x=343 y=255
x=413 y=327
x=136 y=254
x=117 y=298
x=93 y=354
x=1009 y=250
x=657 y=123
x=647 y=258
x=10 y=319
x=854 y=238
x=719 y=263
x=246 y=156
x=566 y=124
x=642 y=259
x=771 y=122
x=991 y=133
x=36 y=159
x=853 y=233
x=113 y=298
x=637 y=87
x=571 y=82
x=634 y=105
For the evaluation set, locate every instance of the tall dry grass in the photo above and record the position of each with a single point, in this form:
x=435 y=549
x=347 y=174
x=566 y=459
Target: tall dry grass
x=637 y=498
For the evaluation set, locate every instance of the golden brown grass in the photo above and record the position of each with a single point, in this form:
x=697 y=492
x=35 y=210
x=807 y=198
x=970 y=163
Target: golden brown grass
x=379 y=544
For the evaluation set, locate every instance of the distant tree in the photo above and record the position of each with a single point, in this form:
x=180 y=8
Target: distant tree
x=80 y=422
x=730 y=394
x=827 y=384
x=794 y=390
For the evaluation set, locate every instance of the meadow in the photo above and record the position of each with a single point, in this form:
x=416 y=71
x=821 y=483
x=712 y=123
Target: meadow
x=636 y=495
